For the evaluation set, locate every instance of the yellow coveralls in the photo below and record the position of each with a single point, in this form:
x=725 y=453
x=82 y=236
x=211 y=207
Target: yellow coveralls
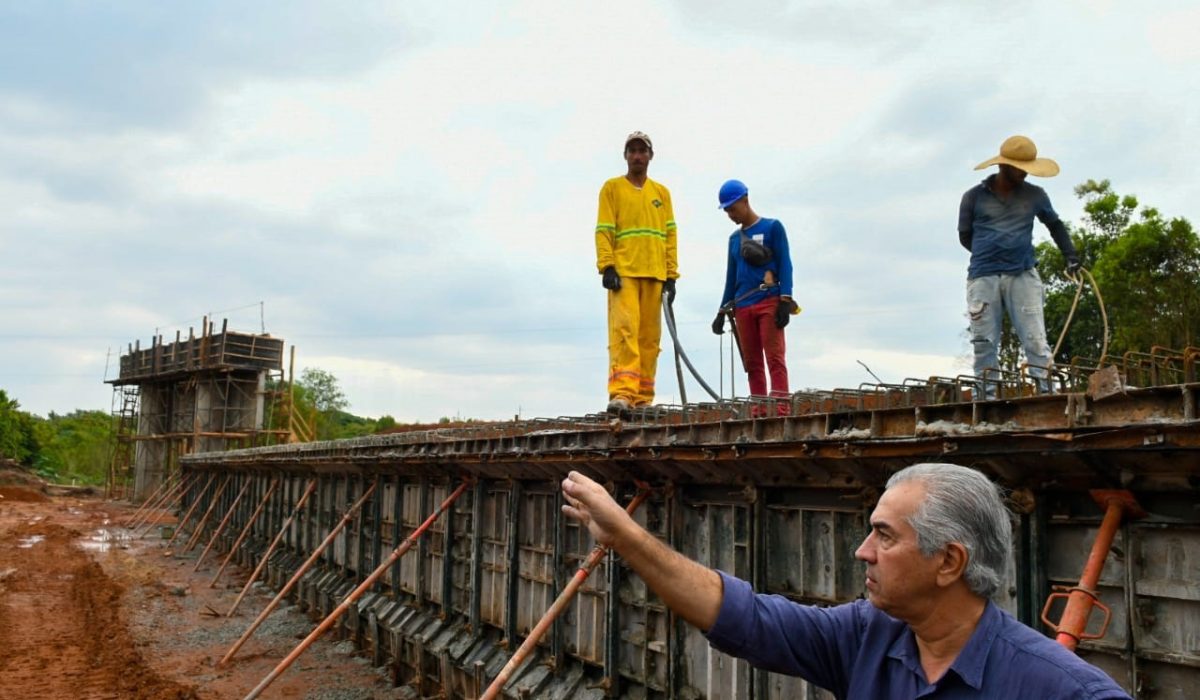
x=635 y=233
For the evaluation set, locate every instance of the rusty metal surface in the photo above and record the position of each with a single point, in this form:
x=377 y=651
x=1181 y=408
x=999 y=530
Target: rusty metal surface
x=779 y=501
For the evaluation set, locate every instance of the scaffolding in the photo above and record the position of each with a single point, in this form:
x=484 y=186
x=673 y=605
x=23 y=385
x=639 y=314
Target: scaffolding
x=204 y=393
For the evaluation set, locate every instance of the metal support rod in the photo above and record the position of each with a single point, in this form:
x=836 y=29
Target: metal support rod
x=312 y=559
x=150 y=499
x=164 y=509
x=224 y=521
x=151 y=505
x=1072 y=626
x=212 y=506
x=262 y=563
x=356 y=593
x=245 y=531
x=187 y=516
x=556 y=609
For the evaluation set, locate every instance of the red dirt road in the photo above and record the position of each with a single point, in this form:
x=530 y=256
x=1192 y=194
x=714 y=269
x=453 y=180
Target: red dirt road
x=86 y=613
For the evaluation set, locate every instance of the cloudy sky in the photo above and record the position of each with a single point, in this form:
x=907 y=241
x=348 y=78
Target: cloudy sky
x=407 y=191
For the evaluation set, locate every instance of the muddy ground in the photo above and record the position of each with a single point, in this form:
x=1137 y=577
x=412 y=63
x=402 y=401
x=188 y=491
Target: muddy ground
x=88 y=612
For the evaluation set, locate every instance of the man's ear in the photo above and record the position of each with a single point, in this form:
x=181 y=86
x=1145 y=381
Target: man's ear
x=953 y=564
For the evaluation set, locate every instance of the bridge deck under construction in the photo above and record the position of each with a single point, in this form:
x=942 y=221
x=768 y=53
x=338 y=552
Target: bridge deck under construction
x=780 y=501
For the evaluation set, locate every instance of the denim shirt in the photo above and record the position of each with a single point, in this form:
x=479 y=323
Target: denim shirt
x=1002 y=229
x=858 y=652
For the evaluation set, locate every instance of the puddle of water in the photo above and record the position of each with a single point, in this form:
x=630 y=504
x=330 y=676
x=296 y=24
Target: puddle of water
x=28 y=542
x=104 y=540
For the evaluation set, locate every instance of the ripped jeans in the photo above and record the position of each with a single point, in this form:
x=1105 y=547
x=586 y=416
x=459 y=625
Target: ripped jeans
x=1023 y=297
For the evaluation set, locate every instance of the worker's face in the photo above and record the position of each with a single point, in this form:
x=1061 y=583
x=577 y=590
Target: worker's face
x=638 y=155
x=1014 y=176
x=900 y=579
x=739 y=211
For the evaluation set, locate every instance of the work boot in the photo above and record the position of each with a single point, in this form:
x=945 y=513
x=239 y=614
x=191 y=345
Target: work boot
x=619 y=406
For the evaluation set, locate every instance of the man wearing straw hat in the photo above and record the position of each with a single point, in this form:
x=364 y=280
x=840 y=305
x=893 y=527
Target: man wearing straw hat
x=995 y=223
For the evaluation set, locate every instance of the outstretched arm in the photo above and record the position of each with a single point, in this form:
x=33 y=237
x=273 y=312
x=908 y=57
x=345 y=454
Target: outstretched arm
x=692 y=591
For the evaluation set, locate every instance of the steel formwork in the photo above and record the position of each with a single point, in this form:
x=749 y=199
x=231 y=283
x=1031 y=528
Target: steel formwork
x=779 y=501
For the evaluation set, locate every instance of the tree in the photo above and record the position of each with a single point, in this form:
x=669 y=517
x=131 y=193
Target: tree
x=1146 y=267
x=18 y=440
x=322 y=389
x=76 y=447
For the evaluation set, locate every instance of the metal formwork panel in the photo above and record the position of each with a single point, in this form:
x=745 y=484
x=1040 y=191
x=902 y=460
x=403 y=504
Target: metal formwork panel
x=388 y=523
x=411 y=514
x=583 y=624
x=643 y=643
x=495 y=557
x=462 y=527
x=433 y=546
x=535 y=558
x=344 y=552
x=715 y=529
x=1165 y=622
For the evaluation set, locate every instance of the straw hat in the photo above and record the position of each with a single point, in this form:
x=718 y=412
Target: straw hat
x=1019 y=152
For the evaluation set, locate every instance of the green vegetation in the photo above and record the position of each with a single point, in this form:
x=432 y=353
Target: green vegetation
x=1147 y=268
x=75 y=448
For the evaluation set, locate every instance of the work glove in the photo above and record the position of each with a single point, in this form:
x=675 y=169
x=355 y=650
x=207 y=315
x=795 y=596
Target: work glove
x=1073 y=266
x=669 y=288
x=611 y=279
x=718 y=324
x=783 y=313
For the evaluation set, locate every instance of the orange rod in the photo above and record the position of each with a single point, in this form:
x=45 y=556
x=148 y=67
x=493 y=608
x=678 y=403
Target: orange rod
x=312 y=559
x=556 y=608
x=262 y=563
x=212 y=506
x=153 y=504
x=153 y=497
x=164 y=508
x=1079 y=604
x=356 y=593
x=224 y=521
x=245 y=531
x=195 y=503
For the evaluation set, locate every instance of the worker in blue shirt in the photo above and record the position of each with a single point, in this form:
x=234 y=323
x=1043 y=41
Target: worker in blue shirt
x=938 y=550
x=758 y=292
x=995 y=223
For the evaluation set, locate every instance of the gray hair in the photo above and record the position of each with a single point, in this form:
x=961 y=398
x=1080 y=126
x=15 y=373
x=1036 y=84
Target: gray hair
x=962 y=505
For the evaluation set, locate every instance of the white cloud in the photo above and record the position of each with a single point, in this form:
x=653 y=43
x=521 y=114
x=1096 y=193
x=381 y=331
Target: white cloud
x=414 y=201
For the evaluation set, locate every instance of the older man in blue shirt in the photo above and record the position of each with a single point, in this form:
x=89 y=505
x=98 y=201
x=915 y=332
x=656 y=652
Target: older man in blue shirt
x=995 y=223
x=938 y=549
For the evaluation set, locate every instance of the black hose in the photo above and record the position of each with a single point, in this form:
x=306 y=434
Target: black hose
x=670 y=316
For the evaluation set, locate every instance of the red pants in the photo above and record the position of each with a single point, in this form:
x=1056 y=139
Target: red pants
x=761 y=339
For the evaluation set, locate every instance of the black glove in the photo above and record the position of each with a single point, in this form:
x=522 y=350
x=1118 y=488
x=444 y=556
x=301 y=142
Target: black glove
x=1073 y=266
x=611 y=279
x=783 y=313
x=669 y=288
x=718 y=324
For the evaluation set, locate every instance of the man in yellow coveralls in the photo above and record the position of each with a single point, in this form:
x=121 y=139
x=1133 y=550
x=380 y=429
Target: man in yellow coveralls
x=637 y=256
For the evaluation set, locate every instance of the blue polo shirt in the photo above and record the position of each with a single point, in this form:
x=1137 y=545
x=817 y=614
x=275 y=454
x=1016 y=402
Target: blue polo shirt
x=1002 y=229
x=859 y=652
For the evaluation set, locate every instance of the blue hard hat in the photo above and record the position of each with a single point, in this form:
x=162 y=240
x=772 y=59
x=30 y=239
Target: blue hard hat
x=731 y=191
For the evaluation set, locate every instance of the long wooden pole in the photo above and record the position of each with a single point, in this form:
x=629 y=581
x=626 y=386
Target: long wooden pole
x=556 y=609
x=356 y=593
x=212 y=506
x=262 y=563
x=312 y=559
x=195 y=503
x=224 y=521
x=245 y=532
